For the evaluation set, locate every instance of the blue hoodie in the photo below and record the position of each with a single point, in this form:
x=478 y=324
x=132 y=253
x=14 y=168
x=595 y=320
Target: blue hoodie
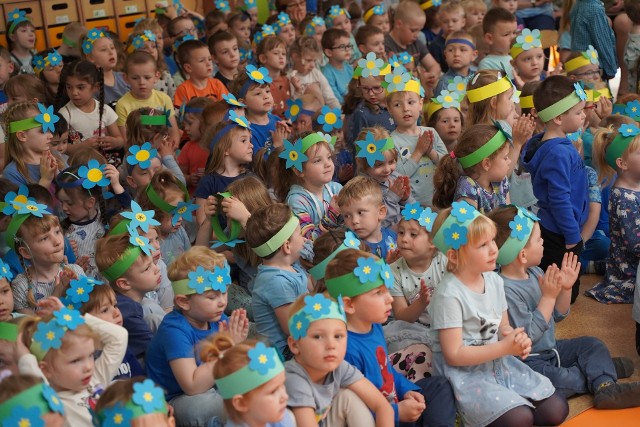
x=559 y=183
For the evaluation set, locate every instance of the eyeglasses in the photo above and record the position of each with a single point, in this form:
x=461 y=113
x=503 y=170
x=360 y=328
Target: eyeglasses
x=186 y=31
x=295 y=5
x=343 y=47
x=590 y=74
x=374 y=90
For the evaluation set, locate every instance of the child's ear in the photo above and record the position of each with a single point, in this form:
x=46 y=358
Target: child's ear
x=452 y=256
x=474 y=55
x=621 y=164
x=382 y=212
x=187 y=68
x=182 y=302
x=171 y=420
x=293 y=345
x=45 y=368
x=488 y=37
x=21 y=135
x=485 y=164
x=122 y=284
x=327 y=52
x=11 y=67
x=239 y=403
x=157 y=74
x=90 y=203
x=124 y=75
x=262 y=58
x=131 y=182
x=24 y=252
x=349 y=306
x=361 y=47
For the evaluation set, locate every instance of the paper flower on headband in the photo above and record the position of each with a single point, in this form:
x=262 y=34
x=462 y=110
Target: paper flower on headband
x=405 y=58
x=580 y=91
x=16 y=15
x=427 y=218
x=69 y=319
x=371 y=65
x=629 y=130
x=310 y=29
x=262 y=358
x=47 y=118
x=316 y=305
x=181 y=40
x=198 y=279
x=592 y=55
x=34 y=208
x=53 y=58
x=139 y=241
x=13 y=202
x=231 y=100
x=184 y=210
x=250 y=4
x=367 y=270
x=117 y=415
x=139 y=217
x=220 y=278
x=574 y=136
x=331 y=140
x=139 y=40
x=351 y=240
x=462 y=211
x=148 y=396
x=93 y=174
x=529 y=39
x=294 y=107
x=519 y=228
x=283 y=19
x=330 y=119
x=38 y=63
x=455 y=236
x=49 y=334
x=457 y=84
x=141 y=155
x=397 y=79
x=371 y=149
x=411 y=211
x=80 y=289
x=245 y=54
x=92 y=36
x=239 y=120
x=293 y=155
x=258 y=75
x=300 y=324
x=632 y=109
x=448 y=99
x=222 y=6
x=5 y=271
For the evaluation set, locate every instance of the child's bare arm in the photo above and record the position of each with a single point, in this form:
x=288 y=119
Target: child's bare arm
x=411 y=312
x=305 y=416
x=592 y=221
x=375 y=401
x=191 y=378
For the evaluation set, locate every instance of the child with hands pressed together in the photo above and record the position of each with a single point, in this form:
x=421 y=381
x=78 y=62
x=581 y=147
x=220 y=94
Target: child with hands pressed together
x=537 y=301
x=473 y=343
x=199 y=279
x=323 y=388
x=363 y=281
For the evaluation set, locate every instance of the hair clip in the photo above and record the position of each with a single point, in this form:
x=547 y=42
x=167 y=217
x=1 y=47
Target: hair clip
x=141 y=155
x=371 y=150
x=330 y=119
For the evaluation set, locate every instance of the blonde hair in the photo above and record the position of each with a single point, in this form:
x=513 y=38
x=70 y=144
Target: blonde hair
x=14 y=150
x=197 y=256
x=407 y=11
x=137 y=133
x=480 y=112
x=359 y=188
x=601 y=142
x=378 y=133
x=215 y=163
x=109 y=249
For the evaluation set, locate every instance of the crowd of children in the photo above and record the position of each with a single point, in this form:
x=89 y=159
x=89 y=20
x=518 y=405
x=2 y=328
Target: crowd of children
x=355 y=213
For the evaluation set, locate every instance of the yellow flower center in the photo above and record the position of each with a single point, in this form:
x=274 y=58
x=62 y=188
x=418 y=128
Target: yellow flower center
x=19 y=199
x=32 y=208
x=24 y=422
x=366 y=270
x=80 y=291
x=257 y=75
x=182 y=210
x=295 y=109
x=94 y=175
x=200 y=279
x=397 y=79
x=371 y=148
x=299 y=325
x=317 y=306
x=46 y=117
x=448 y=98
x=371 y=64
x=528 y=38
x=118 y=418
x=142 y=155
x=262 y=359
x=293 y=156
x=139 y=242
x=51 y=335
x=67 y=317
x=519 y=227
x=141 y=217
x=461 y=86
x=455 y=236
x=219 y=279
x=330 y=118
x=148 y=397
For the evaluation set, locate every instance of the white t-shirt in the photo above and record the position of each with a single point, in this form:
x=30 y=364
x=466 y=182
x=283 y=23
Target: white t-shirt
x=87 y=123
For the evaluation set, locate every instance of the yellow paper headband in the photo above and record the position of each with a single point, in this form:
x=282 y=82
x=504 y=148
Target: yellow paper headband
x=526 y=101
x=576 y=63
x=487 y=91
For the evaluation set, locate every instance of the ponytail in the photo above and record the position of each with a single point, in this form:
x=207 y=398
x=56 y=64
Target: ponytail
x=601 y=141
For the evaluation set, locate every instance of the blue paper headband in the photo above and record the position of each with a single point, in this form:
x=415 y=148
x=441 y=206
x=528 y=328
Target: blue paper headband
x=460 y=41
x=234 y=121
x=258 y=76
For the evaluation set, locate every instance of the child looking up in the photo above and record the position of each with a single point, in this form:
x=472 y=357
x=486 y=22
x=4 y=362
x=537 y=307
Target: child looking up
x=223 y=47
x=194 y=57
x=499 y=27
x=272 y=54
x=98 y=48
x=537 y=301
x=557 y=170
x=420 y=148
x=22 y=40
x=363 y=282
x=328 y=391
x=337 y=47
x=361 y=206
x=473 y=342
x=452 y=19
x=527 y=57
x=459 y=52
x=273 y=232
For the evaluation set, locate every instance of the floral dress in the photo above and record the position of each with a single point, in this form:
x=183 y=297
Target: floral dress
x=484 y=199
x=624 y=252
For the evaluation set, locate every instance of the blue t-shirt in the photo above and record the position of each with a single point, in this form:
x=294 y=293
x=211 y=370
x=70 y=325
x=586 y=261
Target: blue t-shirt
x=129 y=368
x=214 y=183
x=12 y=174
x=174 y=245
x=338 y=79
x=260 y=134
x=133 y=321
x=273 y=288
x=388 y=243
x=176 y=339
x=113 y=93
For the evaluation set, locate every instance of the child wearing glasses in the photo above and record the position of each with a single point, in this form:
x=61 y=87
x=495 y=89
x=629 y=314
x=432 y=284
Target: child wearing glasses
x=337 y=47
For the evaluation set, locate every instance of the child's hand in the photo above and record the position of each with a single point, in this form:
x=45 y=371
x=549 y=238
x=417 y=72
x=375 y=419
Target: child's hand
x=235 y=209
x=392 y=256
x=193 y=179
x=523 y=130
x=237 y=326
x=210 y=206
x=83 y=262
x=91 y=142
x=295 y=81
x=48 y=167
x=425 y=293
x=516 y=342
x=425 y=143
x=409 y=410
x=570 y=270
x=20 y=349
x=48 y=305
x=74 y=247
x=603 y=108
x=112 y=174
x=346 y=172
x=516 y=77
x=333 y=204
x=525 y=344
x=165 y=147
x=550 y=285
x=281 y=133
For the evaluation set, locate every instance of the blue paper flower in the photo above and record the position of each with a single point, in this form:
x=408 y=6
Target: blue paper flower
x=436 y=3
x=371 y=65
x=139 y=217
x=69 y=319
x=574 y=136
x=387 y=276
x=268 y=30
x=262 y=358
x=239 y=120
x=5 y=271
x=529 y=214
x=462 y=211
x=632 y=109
x=222 y=6
x=141 y=155
x=580 y=91
x=140 y=241
x=38 y=63
x=391 y=243
x=231 y=100
x=316 y=305
x=220 y=278
x=148 y=396
x=448 y=99
x=411 y=211
x=351 y=240
x=33 y=208
x=24 y=417
x=283 y=19
x=251 y=4
x=54 y=58
x=397 y=80
x=528 y=39
x=427 y=218
x=629 y=130
x=94 y=34
x=294 y=107
x=457 y=84
x=15 y=201
x=293 y=154
x=183 y=211
x=367 y=269
x=52 y=399
x=49 y=335
x=87 y=46
x=519 y=228
x=405 y=58
x=378 y=9
x=138 y=42
x=16 y=15
x=394 y=61
x=455 y=236
x=299 y=324
x=592 y=55
x=93 y=174
x=47 y=118
x=310 y=29
x=330 y=119
x=117 y=416
x=199 y=279
x=67 y=302
x=370 y=149
x=79 y=290
x=258 y=75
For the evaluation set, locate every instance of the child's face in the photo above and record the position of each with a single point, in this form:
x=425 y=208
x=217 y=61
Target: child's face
x=208 y=306
x=143 y=276
x=510 y=5
x=6 y=301
x=241 y=150
x=192 y=126
x=253 y=14
x=275 y=59
x=381 y=22
x=534 y=247
x=372 y=90
x=241 y=29
x=80 y=92
x=474 y=17
x=304 y=62
x=25 y=37
x=173 y=197
x=319 y=31
x=408 y=31
x=505 y=108
x=154 y=242
x=296 y=243
x=227 y=54
x=140 y=178
x=45 y=248
x=34 y=140
x=452 y=21
x=530 y=64
x=108 y=311
x=341 y=50
x=375 y=44
x=405 y=109
x=589 y=74
x=259 y=99
x=184 y=27
x=382 y=170
x=502 y=36
x=104 y=54
x=322 y=350
x=318 y=170
x=500 y=165
x=52 y=74
x=303 y=123
x=372 y=307
x=480 y=256
x=573 y=119
x=342 y=22
x=266 y=404
x=75 y=208
x=151 y=48
x=200 y=64
x=142 y=78
x=414 y=242
x=6 y=68
x=288 y=34
x=449 y=125
x=364 y=217
x=72 y=369
x=459 y=55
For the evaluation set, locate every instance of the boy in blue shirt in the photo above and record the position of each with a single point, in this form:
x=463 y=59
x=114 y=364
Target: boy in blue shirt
x=558 y=174
x=363 y=282
x=337 y=47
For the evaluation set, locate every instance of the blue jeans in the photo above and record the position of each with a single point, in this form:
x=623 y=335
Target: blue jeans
x=441 y=407
x=540 y=22
x=197 y=410
x=585 y=364
x=596 y=248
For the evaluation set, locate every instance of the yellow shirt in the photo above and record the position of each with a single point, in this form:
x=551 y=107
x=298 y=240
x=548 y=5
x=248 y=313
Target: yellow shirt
x=157 y=100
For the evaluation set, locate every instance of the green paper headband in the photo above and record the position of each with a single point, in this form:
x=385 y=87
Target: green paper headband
x=236 y=228
x=368 y=275
x=626 y=134
x=484 y=151
x=201 y=280
x=564 y=105
x=27 y=407
x=68 y=41
x=350 y=241
x=521 y=228
x=123 y=263
x=160 y=120
x=452 y=234
x=274 y=243
x=8 y=331
x=146 y=399
x=264 y=365
x=159 y=202
x=316 y=307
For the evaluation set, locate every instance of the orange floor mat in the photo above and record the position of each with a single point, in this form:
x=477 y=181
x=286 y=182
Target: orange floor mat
x=599 y=418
